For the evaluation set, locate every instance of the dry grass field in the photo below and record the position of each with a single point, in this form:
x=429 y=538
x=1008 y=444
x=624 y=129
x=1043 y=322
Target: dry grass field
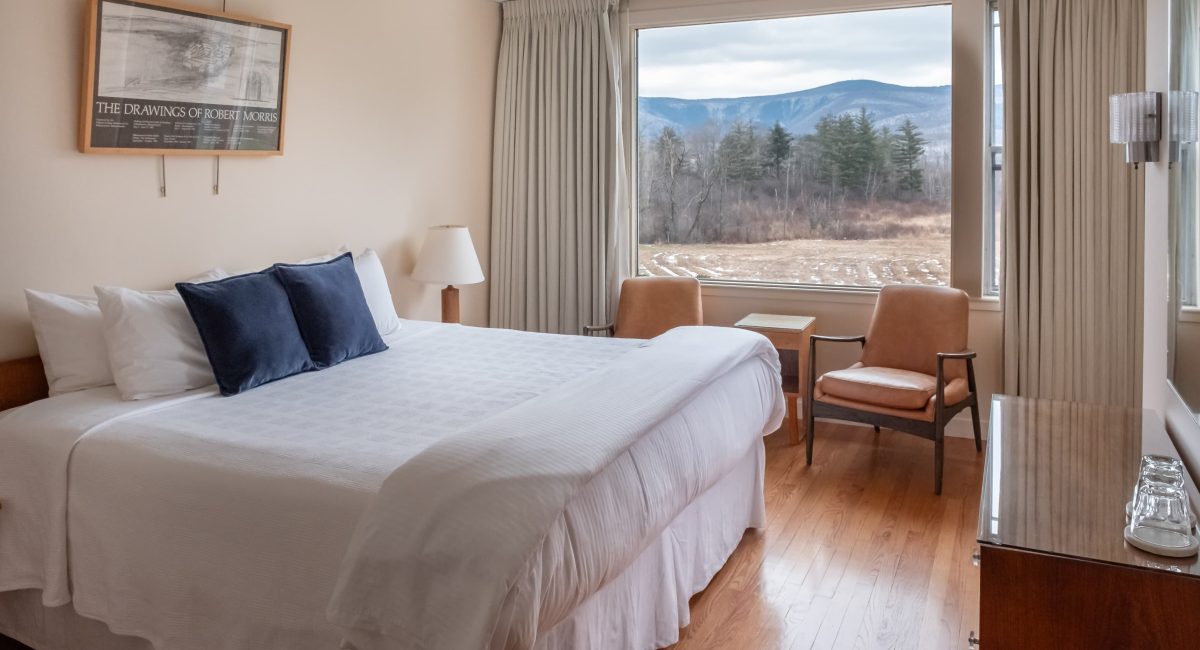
x=850 y=262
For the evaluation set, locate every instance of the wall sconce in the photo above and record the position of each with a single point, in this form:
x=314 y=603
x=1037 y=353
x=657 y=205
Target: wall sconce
x=1183 y=107
x=1135 y=120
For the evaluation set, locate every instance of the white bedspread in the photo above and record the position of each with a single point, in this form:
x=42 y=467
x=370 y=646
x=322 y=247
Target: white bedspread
x=450 y=554
x=201 y=522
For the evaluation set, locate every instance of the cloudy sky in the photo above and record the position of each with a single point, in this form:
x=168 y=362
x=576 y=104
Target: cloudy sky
x=910 y=47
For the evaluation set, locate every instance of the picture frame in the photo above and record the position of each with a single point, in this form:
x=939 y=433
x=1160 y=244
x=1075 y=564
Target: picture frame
x=162 y=78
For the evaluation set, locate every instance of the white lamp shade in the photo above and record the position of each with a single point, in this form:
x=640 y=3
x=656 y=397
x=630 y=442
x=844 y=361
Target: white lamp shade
x=448 y=257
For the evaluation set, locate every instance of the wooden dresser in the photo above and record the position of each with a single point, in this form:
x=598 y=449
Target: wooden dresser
x=1055 y=571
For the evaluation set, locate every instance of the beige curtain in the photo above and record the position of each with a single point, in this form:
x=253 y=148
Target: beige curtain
x=558 y=172
x=1072 y=280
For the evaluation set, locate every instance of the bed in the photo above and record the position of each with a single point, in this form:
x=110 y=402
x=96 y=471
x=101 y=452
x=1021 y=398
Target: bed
x=468 y=487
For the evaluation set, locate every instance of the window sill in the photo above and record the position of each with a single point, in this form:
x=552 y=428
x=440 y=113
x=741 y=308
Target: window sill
x=810 y=293
x=788 y=292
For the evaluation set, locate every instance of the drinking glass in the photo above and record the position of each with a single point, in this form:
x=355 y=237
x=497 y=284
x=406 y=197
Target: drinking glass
x=1161 y=516
x=1163 y=470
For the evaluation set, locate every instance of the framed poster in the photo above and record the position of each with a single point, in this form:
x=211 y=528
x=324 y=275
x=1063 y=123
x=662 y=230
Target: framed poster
x=161 y=78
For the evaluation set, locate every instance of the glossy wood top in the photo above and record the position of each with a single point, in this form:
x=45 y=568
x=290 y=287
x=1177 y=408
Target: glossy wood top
x=1058 y=476
x=776 y=322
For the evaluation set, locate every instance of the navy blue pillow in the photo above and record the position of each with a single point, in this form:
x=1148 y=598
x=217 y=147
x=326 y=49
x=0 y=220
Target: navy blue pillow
x=248 y=330
x=331 y=310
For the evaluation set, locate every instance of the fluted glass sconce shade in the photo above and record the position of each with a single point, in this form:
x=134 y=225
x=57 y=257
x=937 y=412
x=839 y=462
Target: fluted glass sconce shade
x=1183 y=127
x=1135 y=120
x=1184 y=107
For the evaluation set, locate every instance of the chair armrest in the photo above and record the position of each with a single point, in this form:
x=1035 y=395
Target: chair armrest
x=812 y=357
x=965 y=355
x=589 y=330
x=837 y=339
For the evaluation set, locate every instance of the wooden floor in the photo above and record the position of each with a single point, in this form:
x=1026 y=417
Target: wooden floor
x=858 y=552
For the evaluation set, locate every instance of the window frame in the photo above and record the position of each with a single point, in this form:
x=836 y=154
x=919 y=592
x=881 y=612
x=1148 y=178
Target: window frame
x=994 y=162
x=967 y=247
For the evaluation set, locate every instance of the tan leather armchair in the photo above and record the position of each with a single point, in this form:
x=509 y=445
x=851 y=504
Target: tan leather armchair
x=650 y=306
x=914 y=374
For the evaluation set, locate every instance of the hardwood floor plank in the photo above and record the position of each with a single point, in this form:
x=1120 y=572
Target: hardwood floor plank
x=879 y=521
x=936 y=628
x=858 y=552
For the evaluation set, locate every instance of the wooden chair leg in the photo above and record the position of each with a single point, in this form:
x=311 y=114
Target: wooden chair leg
x=939 y=454
x=975 y=423
x=811 y=422
x=793 y=420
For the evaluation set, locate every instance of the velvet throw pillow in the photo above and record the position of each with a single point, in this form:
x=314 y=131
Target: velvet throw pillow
x=331 y=310
x=249 y=332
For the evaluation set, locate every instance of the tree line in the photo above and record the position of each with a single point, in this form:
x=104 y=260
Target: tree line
x=746 y=184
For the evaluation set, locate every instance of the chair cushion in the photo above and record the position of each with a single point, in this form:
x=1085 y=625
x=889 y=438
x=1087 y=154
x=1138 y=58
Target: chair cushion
x=956 y=391
x=901 y=389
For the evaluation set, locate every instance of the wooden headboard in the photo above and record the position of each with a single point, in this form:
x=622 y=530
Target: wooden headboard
x=22 y=381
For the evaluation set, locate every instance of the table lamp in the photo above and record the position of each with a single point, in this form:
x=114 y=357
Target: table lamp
x=448 y=257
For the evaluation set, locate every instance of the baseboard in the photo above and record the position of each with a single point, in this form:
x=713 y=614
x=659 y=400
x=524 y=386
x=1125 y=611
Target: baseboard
x=958 y=427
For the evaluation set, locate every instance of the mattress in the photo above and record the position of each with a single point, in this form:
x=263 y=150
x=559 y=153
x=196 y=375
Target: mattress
x=204 y=522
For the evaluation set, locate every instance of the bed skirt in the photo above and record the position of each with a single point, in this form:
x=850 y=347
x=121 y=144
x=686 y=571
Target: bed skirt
x=651 y=595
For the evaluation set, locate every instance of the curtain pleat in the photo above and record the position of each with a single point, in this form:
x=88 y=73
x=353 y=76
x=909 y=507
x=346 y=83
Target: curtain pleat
x=558 y=197
x=1073 y=210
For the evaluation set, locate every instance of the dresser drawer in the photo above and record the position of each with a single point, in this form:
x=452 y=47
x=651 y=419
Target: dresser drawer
x=1033 y=600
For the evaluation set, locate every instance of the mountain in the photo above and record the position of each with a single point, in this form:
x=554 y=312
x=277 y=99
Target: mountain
x=890 y=105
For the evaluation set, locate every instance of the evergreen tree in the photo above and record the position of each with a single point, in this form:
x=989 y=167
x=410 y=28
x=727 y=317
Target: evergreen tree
x=864 y=161
x=849 y=160
x=834 y=138
x=738 y=153
x=906 y=155
x=887 y=143
x=778 y=149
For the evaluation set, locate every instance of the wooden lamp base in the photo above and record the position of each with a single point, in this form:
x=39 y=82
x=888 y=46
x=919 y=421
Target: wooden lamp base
x=450 y=304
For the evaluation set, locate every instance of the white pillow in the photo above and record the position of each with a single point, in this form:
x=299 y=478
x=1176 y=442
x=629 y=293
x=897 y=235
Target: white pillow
x=70 y=338
x=375 y=289
x=341 y=250
x=153 y=346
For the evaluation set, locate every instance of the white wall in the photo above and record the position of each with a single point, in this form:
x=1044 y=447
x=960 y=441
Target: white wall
x=389 y=130
x=1157 y=248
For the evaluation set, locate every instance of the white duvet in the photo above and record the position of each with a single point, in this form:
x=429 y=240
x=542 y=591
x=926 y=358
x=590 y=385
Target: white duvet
x=201 y=522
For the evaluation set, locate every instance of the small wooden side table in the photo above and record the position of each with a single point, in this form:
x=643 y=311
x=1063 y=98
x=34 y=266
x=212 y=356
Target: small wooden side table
x=789 y=335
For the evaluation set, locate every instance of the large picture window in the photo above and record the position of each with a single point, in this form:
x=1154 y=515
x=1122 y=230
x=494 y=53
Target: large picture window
x=811 y=150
